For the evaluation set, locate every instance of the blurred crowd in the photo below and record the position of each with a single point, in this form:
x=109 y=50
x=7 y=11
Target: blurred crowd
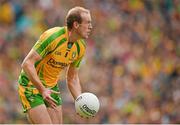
x=132 y=61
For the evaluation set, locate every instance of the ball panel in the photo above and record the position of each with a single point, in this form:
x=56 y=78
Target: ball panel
x=87 y=104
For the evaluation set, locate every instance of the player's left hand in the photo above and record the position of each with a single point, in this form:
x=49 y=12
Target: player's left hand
x=82 y=116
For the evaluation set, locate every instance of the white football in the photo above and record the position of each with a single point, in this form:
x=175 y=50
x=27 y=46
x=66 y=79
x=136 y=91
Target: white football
x=87 y=105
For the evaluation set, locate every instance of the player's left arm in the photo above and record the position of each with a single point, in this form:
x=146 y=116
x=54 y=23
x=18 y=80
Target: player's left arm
x=72 y=73
x=73 y=81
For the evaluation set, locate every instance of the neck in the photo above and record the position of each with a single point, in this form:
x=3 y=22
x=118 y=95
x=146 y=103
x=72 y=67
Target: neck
x=73 y=36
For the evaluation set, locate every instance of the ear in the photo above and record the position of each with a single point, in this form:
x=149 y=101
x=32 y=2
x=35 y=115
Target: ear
x=76 y=24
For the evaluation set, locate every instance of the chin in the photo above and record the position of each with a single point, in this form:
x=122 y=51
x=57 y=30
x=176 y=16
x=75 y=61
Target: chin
x=85 y=37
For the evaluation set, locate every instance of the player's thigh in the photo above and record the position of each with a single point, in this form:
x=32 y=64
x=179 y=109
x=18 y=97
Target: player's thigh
x=34 y=105
x=56 y=114
x=29 y=97
x=39 y=115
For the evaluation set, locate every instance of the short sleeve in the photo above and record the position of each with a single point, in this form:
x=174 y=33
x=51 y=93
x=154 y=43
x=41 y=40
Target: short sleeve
x=77 y=62
x=81 y=48
x=43 y=46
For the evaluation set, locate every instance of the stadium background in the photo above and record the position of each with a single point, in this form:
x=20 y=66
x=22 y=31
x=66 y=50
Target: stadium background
x=132 y=61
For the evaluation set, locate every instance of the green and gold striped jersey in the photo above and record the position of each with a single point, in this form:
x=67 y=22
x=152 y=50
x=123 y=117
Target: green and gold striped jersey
x=57 y=53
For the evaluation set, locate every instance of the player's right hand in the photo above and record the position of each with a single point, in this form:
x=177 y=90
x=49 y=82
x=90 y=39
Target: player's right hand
x=46 y=94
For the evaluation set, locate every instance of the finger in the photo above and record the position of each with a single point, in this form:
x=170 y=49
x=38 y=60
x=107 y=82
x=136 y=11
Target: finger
x=53 y=106
x=51 y=103
x=53 y=100
x=55 y=92
x=79 y=115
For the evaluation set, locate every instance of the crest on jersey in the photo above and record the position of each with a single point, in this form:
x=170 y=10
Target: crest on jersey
x=73 y=55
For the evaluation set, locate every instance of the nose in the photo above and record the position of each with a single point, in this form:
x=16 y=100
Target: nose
x=90 y=26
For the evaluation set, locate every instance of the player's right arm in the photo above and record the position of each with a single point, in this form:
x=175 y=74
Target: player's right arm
x=39 y=50
x=29 y=69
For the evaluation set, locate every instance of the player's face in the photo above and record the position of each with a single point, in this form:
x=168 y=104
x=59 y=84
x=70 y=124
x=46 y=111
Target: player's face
x=85 y=27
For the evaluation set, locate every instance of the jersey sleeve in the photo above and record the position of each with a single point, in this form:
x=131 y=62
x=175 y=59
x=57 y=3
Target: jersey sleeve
x=82 y=46
x=77 y=62
x=43 y=46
